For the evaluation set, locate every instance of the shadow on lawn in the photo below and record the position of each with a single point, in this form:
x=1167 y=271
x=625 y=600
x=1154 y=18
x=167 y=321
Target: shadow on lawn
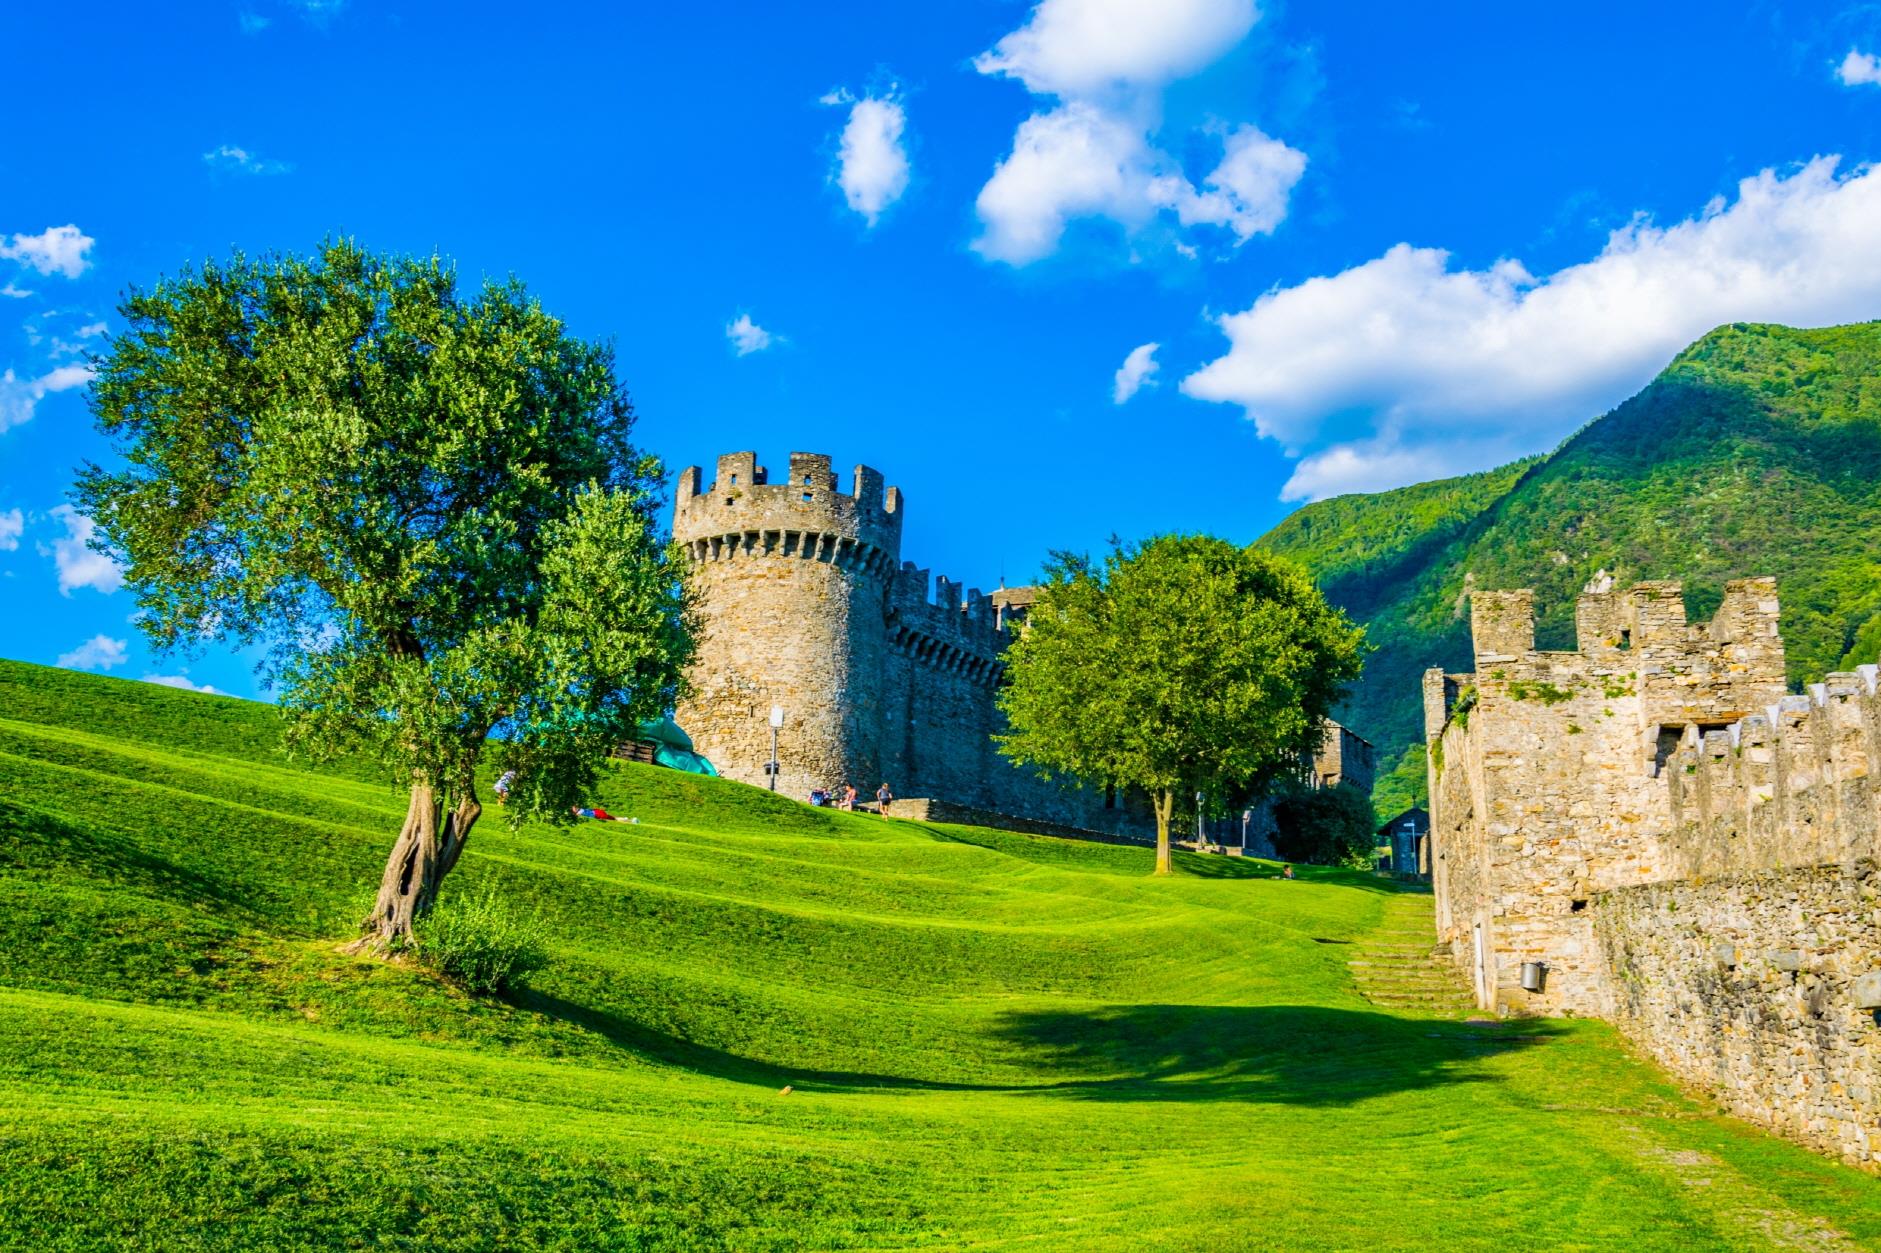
x=110 y=853
x=1269 y=1054
x=1279 y=1054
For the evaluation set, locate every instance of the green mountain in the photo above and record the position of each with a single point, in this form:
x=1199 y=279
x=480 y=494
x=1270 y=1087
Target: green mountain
x=1757 y=451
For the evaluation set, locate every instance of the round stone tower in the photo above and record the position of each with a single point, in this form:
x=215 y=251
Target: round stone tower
x=793 y=579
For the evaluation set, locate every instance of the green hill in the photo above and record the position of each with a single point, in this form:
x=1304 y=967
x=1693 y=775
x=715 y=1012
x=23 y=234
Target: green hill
x=1757 y=451
x=989 y=1040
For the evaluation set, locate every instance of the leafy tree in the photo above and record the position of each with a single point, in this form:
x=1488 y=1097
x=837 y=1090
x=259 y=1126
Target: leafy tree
x=1404 y=785
x=1327 y=826
x=424 y=507
x=1183 y=665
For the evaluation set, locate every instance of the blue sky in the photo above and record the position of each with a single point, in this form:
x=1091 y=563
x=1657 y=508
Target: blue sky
x=1369 y=245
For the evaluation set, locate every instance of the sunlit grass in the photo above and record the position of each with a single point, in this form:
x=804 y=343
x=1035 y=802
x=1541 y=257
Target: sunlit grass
x=989 y=1039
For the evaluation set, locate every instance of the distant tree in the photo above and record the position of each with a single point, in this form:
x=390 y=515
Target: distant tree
x=1328 y=826
x=425 y=508
x=1184 y=665
x=1403 y=786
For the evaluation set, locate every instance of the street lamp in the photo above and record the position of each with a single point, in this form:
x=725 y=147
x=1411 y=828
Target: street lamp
x=770 y=767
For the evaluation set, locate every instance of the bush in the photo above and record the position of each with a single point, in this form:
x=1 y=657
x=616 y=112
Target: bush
x=1325 y=827
x=481 y=941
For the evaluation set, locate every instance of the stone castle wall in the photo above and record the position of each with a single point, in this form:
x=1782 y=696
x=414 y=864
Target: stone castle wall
x=1687 y=849
x=885 y=673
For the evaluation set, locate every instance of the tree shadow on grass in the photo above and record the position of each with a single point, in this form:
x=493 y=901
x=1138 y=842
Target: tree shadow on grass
x=656 y=1045
x=106 y=853
x=1269 y=1054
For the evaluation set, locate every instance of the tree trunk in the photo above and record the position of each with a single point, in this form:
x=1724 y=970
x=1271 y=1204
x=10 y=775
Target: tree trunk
x=428 y=846
x=1165 y=801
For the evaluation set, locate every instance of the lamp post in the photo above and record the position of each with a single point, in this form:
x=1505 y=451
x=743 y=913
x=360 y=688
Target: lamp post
x=777 y=719
x=770 y=767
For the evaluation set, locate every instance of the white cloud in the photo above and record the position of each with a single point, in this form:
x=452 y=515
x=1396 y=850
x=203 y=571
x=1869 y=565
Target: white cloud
x=1858 y=68
x=14 y=293
x=100 y=652
x=748 y=337
x=181 y=681
x=1247 y=192
x=20 y=397
x=12 y=526
x=1090 y=48
x=1094 y=153
x=871 y=158
x=79 y=565
x=252 y=23
x=55 y=250
x=1403 y=366
x=1138 y=369
x=229 y=159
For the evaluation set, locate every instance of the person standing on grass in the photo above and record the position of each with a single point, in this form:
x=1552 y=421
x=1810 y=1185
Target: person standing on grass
x=883 y=797
x=504 y=782
x=848 y=802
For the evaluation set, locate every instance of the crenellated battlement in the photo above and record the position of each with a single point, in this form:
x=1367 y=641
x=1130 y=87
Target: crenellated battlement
x=1793 y=785
x=957 y=629
x=1633 y=643
x=743 y=513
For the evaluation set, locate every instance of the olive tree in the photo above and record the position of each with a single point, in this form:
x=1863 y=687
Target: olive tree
x=422 y=506
x=1182 y=665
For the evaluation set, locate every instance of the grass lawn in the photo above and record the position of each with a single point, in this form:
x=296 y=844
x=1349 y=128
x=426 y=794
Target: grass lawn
x=990 y=1040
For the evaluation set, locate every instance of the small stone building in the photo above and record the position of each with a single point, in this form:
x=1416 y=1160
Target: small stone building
x=1407 y=836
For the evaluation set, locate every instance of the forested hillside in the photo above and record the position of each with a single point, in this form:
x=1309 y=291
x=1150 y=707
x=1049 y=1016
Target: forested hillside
x=1757 y=451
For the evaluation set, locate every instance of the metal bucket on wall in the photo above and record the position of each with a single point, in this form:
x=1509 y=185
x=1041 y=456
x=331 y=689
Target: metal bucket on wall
x=1534 y=974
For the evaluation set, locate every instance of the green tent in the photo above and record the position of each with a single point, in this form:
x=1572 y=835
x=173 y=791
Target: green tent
x=672 y=747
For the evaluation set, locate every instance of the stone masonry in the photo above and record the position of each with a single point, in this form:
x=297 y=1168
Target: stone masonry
x=884 y=673
x=1685 y=848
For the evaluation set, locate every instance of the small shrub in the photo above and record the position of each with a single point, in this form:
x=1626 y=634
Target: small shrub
x=481 y=941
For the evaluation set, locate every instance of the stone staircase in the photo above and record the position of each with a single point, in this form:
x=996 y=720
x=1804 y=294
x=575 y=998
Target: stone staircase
x=1399 y=969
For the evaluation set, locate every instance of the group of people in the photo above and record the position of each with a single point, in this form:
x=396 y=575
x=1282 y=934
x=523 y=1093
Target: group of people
x=843 y=796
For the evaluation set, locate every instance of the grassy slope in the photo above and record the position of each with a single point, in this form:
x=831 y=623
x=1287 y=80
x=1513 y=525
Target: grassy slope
x=1757 y=451
x=992 y=1040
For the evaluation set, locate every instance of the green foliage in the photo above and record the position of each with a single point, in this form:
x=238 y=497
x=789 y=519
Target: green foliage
x=1546 y=693
x=1405 y=785
x=962 y=1014
x=481 y=941
x=1465 y=704
x=1757 y=451
x=1330 y=826
x=1183 y=665
x=425 y=507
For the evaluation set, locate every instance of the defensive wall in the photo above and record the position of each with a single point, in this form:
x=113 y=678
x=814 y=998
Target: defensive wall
x=1675 y=842
x=885 y=672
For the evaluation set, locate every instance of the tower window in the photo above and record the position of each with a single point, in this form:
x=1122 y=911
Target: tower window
x=806 y=496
